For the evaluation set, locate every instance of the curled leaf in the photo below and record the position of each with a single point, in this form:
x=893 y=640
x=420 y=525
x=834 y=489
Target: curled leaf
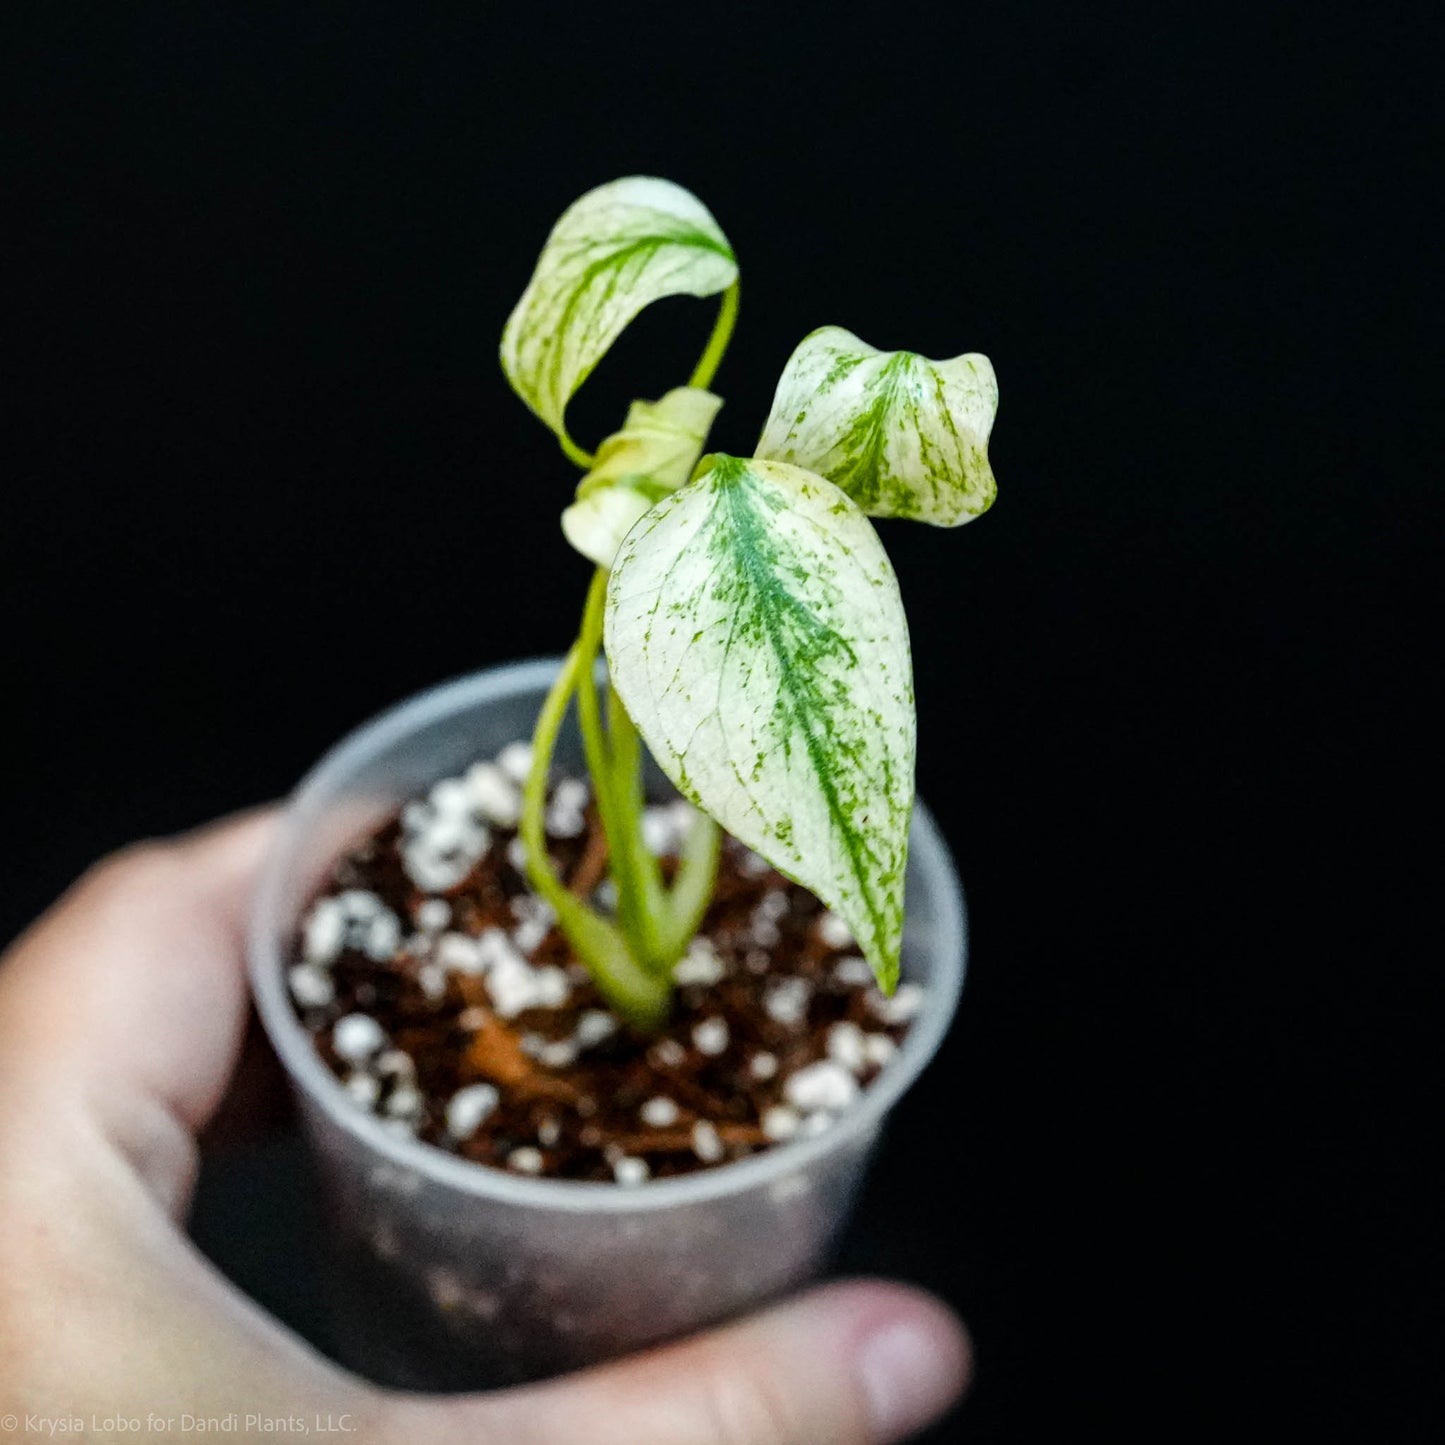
x=616 y=250
x=653 y=454
x=755 y=632
x=902 y=435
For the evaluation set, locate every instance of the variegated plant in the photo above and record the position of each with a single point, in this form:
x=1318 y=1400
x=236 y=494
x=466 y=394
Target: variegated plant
x=752 y=623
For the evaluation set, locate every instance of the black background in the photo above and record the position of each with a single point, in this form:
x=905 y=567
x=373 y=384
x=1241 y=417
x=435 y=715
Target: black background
x=263 y=477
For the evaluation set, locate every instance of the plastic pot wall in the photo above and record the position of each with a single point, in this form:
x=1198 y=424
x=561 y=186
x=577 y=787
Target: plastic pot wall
x=449 y=1275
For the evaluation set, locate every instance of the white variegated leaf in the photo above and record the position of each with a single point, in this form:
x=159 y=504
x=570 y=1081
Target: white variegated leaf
x=653 y=454
x=614 y=251
x=755 y=633
x=902 y=435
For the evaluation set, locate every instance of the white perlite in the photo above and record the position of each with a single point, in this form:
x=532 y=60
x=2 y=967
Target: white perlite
x=433 y=915
x=396 y=1061
x=549 y=1133
x=530 y=932
x=517 y=854
x=902 y=1007
x=449 y=798
x=786 y=1001
x=310 y=986
x=495 y=949
x=707 y=1144
x=324 y=933
x=780 y=1122
x=658 y=1112
x=699 y=965
x=879 y=1048
x=458 y=953
x=594 y=1026
x=853 y=971
x=356 y=1037
x=764 y=932
x=833 y=932
x=753 y=865
x=665 y=825
x=559 y=1055
x=764 y=925
x=527 y=906
x=515 y=985
x=764 y=1065
x=711 y=1036
x=404 y=1102
x=469 y=1109
x=444 y=1287
x=824 y=1085
x=515 y=761
x=525 y=1160
x=494 y=795
x=354 y=919
x=668 y=1052
x=442 y=838
x=562 y=824
x=773 y=904
x=564 y=812
x=847 y=1045
x=790 y=1187
x=364 y=1088
x=571 y=794
x=630 y=1172
x=441 y=855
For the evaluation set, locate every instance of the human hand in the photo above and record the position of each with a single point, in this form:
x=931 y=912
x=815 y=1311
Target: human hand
x=121 y=1017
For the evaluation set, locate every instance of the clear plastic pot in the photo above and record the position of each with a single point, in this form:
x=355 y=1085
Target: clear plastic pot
x=449 y=1275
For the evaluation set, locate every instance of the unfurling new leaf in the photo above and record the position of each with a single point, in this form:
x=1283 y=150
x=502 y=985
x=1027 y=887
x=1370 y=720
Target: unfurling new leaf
x=902 y=435
x=653 y=454
x=755 y=632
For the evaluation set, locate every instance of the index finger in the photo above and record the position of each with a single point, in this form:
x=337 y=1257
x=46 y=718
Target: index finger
x=130 y=992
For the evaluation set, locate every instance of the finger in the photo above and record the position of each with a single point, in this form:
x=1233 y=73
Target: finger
x=854 y=1364
x=128 y=998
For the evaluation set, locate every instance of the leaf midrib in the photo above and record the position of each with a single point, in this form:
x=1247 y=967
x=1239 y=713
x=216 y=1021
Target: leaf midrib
x=765 y=582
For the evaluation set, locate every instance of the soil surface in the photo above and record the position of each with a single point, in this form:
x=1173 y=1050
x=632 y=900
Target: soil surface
x=441 y=995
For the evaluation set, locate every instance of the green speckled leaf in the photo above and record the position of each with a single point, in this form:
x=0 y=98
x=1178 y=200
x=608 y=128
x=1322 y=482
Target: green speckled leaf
x=755 y=632
x=653 y=454
x=616 y=250
x=902 y=435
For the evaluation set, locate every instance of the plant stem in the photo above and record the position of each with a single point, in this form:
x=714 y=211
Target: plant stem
x=641 y=901
x=722 y=332
x=659 y=954
x=574 y=453
x=692 y=887
x=636 y=994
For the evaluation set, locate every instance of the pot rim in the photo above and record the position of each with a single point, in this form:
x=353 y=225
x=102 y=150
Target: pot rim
x=308 y=1073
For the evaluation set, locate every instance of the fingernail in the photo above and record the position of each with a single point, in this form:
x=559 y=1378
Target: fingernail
x=910 y=1370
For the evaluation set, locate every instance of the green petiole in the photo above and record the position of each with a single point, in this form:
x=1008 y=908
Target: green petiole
x=722 y=333
x=637 y=995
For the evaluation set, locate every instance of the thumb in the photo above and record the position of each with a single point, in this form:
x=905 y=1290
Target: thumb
x=863 y=1363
